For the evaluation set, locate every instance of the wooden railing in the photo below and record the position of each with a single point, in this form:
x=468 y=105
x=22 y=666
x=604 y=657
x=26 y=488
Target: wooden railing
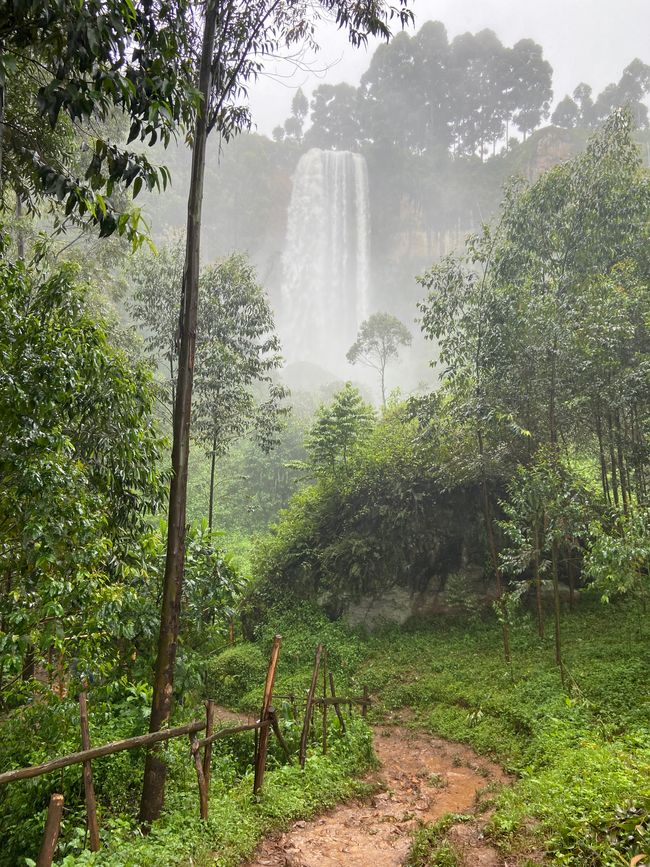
x=268 y=721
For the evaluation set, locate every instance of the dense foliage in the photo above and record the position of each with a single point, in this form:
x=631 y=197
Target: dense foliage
x=80 y=464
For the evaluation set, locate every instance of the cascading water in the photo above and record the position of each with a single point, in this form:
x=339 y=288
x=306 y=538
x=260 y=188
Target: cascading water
x=326 y=259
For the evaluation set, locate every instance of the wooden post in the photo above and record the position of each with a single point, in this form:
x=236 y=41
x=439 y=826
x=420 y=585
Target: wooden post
x=309 y=706
x=207 y=753
x=278 y=733
x=198 y=764
x=364 y=706
x=52 y=828
x=263 y=743
x=325 y=703
x=337 y=706
x=91 y=804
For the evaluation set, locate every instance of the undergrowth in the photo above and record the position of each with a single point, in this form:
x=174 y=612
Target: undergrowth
x=580 y=750
x=237 y=819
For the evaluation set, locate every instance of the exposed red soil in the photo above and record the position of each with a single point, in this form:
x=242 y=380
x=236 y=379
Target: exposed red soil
x=421 y=779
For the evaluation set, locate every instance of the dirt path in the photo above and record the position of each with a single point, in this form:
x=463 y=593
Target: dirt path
x=422 y=778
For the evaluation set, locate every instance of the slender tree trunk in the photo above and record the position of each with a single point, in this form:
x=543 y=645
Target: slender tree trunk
x=20 y=237
x=556 y=599
x=2 y=132
x=29 y=663
x=622 y=474
x=153 y=791
x=383 y=387
x=172 y=380
x=612 y=460
x=572 y=580
x=538 y=582
x=603 y=462
x=552 y=418
x=489 y=528
x=213 y=463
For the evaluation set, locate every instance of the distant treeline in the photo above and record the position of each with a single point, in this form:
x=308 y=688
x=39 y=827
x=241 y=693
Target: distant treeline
x=424 y=93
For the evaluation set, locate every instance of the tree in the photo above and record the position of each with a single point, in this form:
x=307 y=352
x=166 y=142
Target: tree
x=566 y=114
x=293 y=126
x=79 y=470
x=235 y=41
x=156 y=289
x=88 y=64
x=618 y=561
x=532 y=92
x=236 y=354
x=334 y=118
x=237 y=348
x=339 y=428
x=378 y=342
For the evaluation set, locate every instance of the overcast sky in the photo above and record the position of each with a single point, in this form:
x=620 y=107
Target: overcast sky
x=584 y=40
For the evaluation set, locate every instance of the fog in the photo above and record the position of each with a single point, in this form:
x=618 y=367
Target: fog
x=428 y=179
x=584 y=40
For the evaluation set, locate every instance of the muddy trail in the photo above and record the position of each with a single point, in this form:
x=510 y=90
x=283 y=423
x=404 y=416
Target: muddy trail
x=421 y=778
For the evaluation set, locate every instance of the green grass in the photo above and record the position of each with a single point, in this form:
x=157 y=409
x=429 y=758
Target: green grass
x=237 y=821
x=581 y=752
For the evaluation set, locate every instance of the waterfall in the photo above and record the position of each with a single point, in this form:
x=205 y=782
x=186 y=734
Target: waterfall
x=326 y=259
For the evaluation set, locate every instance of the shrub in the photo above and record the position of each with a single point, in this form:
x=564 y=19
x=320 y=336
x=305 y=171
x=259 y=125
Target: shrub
x=234 y=672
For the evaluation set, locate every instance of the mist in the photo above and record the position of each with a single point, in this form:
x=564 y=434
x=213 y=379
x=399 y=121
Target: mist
x=348 y=187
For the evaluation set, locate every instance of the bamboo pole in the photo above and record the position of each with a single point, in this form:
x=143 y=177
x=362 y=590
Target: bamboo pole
x=337 y=706
x=198 y=764
x=263 y=745
x=207 y=753
x=325 y=703
x=224 y=733
x=308 y=708
x=51 y=835
x=89 y=789
x=99 y=752
x=278 y=733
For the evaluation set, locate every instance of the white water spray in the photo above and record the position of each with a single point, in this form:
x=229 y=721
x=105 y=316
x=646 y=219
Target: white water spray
x=326 y=260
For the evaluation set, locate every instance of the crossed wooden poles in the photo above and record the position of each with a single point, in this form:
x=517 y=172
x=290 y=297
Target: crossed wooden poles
x=268 y=720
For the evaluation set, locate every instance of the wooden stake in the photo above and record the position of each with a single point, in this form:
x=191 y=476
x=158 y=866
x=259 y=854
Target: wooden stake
x=203 y=791
x=309 y=706
x=337 y=706
x=278 y=733
x=207 y=753
x=325 y=703
x=364 y=706
x=91 y=804
x=52 y=828
x=263 y=745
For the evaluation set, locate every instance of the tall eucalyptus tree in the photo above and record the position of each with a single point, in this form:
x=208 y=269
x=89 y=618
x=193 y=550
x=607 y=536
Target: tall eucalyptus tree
x=237 y=37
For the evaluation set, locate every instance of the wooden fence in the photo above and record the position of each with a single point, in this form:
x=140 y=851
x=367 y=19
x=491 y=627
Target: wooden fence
x=268 y=721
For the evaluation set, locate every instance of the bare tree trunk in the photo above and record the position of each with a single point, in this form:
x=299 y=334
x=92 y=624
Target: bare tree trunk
x=612 y=460
x=20 y=236
x=489 y=529
x=2 y=131
x=153 y=791
x=556 y=599
x=212 y=473
x=572 y=580
x=538 y=582
x=603 y=462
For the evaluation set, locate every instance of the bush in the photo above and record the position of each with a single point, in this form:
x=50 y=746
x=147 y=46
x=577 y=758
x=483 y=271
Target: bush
x=234 y=672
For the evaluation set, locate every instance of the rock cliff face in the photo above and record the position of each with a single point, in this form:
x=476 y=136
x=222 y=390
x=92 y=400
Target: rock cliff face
x=468 y=590
x=443 y=572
